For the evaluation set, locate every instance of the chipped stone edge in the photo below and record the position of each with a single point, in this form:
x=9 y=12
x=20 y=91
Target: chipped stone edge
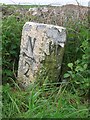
x=60 y=28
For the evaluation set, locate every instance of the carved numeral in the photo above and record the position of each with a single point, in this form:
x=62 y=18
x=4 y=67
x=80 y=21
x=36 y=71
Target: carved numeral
x=28 y=53
x=26 y=73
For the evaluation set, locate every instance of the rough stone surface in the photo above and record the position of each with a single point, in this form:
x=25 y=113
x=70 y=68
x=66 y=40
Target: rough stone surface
x=41 y=44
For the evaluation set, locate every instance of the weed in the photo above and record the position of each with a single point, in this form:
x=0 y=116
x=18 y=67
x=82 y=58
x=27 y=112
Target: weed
x=44 y=99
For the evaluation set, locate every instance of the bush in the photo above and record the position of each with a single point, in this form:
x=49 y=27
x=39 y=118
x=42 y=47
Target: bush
x=11 y=35
x=46 y=99
x=78 y=64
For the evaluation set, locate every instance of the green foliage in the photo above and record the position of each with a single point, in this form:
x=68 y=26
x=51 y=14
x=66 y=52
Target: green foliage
x=11 y=34
x=44 y=99
x=78 y=72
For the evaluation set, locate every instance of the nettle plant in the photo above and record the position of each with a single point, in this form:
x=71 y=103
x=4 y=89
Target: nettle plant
x=78 y=73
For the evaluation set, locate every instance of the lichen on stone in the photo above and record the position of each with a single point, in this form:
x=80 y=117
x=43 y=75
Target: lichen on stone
x=51 y=66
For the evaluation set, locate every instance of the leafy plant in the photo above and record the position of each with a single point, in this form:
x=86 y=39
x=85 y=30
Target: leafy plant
x=44 y=99
x=11 y=34
x=79 y=72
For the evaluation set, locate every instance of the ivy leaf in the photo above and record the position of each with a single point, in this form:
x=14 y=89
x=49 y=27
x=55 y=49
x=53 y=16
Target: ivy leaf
x=70 y=65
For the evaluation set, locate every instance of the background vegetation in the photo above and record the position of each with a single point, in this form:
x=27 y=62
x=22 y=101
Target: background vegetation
x=67 y=99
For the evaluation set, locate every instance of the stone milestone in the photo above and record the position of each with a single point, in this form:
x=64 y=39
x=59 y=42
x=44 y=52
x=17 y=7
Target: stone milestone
x=41 y=45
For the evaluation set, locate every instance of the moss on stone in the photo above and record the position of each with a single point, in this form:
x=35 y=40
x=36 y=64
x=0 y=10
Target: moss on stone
x=51 y=66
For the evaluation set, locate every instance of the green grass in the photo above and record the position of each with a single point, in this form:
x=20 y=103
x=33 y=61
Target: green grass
x=47 y=100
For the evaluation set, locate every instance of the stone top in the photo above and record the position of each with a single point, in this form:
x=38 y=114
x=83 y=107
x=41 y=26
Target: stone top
x=60 y=28
x=57 y=33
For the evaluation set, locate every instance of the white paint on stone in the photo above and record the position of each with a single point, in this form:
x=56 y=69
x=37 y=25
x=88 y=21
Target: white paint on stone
x=36 y=41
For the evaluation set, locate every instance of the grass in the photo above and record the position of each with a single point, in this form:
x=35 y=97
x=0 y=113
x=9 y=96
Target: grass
x=47 y=100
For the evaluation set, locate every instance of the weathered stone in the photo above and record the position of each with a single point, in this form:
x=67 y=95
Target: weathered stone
x=42 y=45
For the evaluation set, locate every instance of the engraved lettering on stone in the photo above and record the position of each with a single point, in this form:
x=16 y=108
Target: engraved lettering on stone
x=41 y=43
x=26 y=73
x=28 y=55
